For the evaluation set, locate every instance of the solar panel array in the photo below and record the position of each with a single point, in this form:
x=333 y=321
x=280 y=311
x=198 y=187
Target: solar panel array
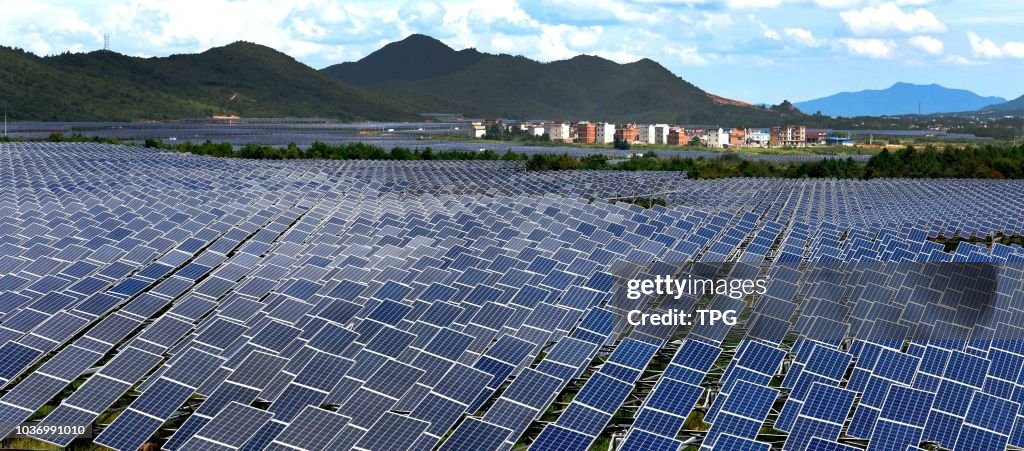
x=236 y=304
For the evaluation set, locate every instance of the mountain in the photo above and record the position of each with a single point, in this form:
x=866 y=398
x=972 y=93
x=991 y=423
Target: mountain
x=241 y=78
x=414 y=58
x=900 y=98
x=1013 y=105
x=428 y=72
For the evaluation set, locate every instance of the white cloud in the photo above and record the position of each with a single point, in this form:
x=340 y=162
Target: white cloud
x=766 y=31
x=565 y=41
x=837 y=4
x=961 y=60
x=503 y=44
x=871 y=48
x=802 y=37
x=43 y=29
x=621 y=56
x=989 y=49
x=715 y=21
x=611 y=10
x=888 y=17
x=927 y=43
x=753 y=4
x=688 y=55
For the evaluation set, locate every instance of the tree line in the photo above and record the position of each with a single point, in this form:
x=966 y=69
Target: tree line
x=985 y=162
x=322 y=151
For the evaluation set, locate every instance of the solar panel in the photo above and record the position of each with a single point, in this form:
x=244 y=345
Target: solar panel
x=232 y=427
x=312 y=429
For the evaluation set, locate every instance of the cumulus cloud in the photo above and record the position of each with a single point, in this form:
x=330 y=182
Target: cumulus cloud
x=688 y=55
x=889 y=17
x=989 y=49
x=871 y=48
x=565 y=41
x=802 y=36
x=43 y=29
x=929 y=44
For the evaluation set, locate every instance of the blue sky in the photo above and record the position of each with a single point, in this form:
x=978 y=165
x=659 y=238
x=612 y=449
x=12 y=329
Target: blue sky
x=759 y=51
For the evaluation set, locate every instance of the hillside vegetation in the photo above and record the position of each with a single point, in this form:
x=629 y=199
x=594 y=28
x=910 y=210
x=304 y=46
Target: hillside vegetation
x=581 y=88
x=242 y=78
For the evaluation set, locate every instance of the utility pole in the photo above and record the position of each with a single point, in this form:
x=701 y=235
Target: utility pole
x=5 y=118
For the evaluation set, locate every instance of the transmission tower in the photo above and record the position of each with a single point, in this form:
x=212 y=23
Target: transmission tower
x=106 y=42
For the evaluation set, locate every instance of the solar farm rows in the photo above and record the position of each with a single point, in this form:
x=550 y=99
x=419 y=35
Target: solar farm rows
x=235 y=304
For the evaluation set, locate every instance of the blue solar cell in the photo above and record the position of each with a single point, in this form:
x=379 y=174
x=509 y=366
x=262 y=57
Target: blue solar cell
x=732 y=442
x=16 y=359
x=992 y=413
x=892 y=435
x=641 y=440
x=827 y=403
x=604 y=393
x=674 y=397
x=129 y=431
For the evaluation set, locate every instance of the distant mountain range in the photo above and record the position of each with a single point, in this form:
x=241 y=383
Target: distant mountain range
x=1015 y=106
x=428 y=72
x=900 y=98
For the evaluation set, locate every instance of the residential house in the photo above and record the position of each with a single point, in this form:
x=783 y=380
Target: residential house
x=645 y=134
x=717 y=137
x=604 y=133
x=758 y=137
x=661 y=133
x=788 y=136
x=558 y=131
x=738 y=137
x=677 y=136
x=586 y=132
x=628 y=133
x=478 y=129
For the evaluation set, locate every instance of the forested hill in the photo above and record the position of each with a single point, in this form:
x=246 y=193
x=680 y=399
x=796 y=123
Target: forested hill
x=585 y=87
x=242 y=78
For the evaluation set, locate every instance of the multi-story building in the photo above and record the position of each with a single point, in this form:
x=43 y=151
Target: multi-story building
x=758 y=137
x=628 y=133
x=661 y=133
x=605 y=133
x=717 y=137
x=788 y=136
x=645 y=134
x=738 y=137
x=677 y=136
x=535 y=130
x=586 y=132
x=558 y=131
